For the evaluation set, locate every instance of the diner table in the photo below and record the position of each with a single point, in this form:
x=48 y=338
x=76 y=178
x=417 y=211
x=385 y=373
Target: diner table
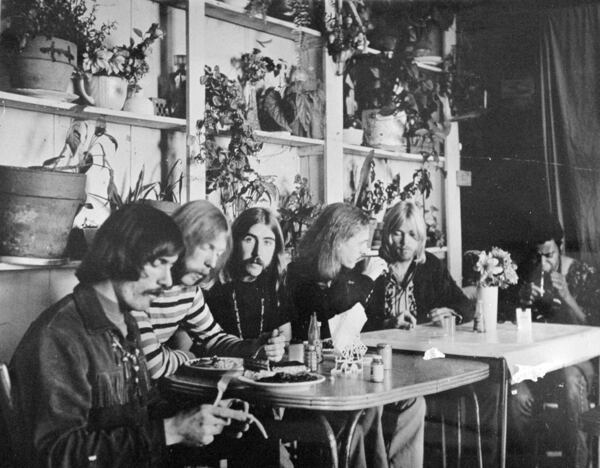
x=514 y=355
x=410 y=377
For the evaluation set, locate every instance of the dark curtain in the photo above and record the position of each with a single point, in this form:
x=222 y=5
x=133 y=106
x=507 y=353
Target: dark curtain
x=570 y=81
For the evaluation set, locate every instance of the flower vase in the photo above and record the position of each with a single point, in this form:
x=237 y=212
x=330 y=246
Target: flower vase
x=137 y=103
x=251 y=106
x=488 y=295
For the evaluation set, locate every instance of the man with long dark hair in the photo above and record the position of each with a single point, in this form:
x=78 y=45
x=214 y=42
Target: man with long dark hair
x=81 y=387
x=247 y=301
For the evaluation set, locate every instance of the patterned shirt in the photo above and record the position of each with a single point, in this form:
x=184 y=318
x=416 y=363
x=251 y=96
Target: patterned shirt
x=185 y=309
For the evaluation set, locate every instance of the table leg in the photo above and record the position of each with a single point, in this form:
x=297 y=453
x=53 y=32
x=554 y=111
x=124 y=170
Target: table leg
x=347 y=441
x=330 y=439
x=503 y=413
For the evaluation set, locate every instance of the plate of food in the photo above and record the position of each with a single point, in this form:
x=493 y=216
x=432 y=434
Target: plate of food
x=216 y=365
x=282 y=377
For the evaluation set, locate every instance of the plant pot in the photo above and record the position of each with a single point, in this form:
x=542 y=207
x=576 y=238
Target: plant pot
x=104 y=91
x=137 y=103
x=44 y=68
x=353 y=136
x=384 y=131
x=37 y=208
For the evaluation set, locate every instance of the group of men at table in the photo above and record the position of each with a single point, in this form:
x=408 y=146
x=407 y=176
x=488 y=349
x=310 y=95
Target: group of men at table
x=156 y=290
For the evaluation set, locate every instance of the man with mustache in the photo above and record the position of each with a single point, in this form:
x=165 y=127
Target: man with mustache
x=183 y=308
x=247 y=301
x=80 y=382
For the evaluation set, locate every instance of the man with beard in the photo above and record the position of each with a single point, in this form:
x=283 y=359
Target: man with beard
x=205 y=236
x=80 y=383
x=247 y=302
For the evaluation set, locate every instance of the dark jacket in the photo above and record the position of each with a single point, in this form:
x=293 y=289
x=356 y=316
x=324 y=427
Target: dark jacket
x=248 y=298
x=433 y=287
x=76 y=395
x=306 y=295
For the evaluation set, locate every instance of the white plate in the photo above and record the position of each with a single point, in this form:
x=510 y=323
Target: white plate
x=281 y=387
x=237 y=365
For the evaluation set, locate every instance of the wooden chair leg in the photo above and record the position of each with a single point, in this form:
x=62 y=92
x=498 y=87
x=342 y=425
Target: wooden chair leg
x=443 y=425
x=459 y=401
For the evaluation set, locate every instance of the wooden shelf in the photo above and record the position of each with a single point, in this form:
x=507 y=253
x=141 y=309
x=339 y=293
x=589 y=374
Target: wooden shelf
x=48 y=106
x=218 y=10
x=355 y=150
x=73 y=264
x=285 y=139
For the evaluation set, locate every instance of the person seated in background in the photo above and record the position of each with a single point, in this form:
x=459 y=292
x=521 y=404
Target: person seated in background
x=80 y=384
x=323 y=279
x=416 y=288
x=247 y=300
x=205 y=236
x=559 y=289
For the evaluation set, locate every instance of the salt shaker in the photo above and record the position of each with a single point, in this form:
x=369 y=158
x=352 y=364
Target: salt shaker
x=478 y=324
x=377 y=370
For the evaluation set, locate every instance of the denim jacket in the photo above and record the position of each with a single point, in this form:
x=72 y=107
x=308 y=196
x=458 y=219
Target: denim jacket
x=82 y=390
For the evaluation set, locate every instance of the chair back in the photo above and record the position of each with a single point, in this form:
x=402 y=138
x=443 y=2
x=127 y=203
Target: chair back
x=7 y=420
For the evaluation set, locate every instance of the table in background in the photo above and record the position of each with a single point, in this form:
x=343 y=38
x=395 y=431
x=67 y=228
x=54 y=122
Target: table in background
x=411 y=376
x=512 y=354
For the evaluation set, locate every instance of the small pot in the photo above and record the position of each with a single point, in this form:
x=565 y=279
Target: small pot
x=353 y=136
x=103 y=91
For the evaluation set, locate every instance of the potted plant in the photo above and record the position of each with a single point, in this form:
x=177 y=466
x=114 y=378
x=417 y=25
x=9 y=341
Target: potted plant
x=297 y=212
x=109 y=73
x=253 y=68
x=38 y=205
x=229 y=173
x=42 y=41
x=345 y=31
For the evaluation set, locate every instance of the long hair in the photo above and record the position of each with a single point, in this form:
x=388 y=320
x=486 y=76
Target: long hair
x=131 y=237
x=234 y=266
x=200 y=222
x=397 y=215
x=318 y=249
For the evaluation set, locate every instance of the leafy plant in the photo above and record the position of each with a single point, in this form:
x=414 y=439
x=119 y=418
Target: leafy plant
x=435 y=236
x=126 y=61
x=81 y=145
x=228 y=169
x=297 y=212
x=254 y=66
x=258 y=7
x=345 y=32
x=71 y=20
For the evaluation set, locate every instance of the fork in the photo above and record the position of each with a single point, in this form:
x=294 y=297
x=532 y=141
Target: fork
x=222 y=385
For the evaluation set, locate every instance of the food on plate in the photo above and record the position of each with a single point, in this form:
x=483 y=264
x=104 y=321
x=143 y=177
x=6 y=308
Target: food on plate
x=289 y=367
x=283 y=377
x=216 y=362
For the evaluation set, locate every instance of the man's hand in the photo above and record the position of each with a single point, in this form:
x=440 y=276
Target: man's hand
x=559 y=283
x=200 y=426
x=374 y=268
x=530 y=293
x=404 y=321
x=275 y=346
x=438 y=313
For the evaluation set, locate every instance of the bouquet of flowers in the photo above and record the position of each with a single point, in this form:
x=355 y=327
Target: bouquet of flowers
x=496 y=268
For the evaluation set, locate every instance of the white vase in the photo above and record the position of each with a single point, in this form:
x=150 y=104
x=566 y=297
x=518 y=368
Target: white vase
x=104 y=91
x=137 y=103
x=489 y=298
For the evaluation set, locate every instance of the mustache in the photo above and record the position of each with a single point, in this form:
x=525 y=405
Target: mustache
x=255 y=260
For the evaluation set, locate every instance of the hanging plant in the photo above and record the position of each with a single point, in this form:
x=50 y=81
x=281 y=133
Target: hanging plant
x=345 y=32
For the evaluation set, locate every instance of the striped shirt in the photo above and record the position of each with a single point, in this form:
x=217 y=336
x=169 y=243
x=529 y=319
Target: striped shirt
x=182 y=309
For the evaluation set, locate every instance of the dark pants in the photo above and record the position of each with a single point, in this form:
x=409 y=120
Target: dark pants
x=524 y=404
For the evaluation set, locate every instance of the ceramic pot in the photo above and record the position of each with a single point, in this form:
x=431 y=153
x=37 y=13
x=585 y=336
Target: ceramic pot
x=45 y=64
x=489 y=298
x=137 y=103
x=353 y=136
x=37 y=209
x=384 y=131
x=104 y=91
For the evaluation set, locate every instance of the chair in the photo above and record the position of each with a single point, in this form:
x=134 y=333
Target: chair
x=7 y=420
x=591 y=424
x=457 y=400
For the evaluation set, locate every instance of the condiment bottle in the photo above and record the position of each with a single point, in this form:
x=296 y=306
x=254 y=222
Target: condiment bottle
x=310 y=358
x=314 y=336
x=377 y=370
